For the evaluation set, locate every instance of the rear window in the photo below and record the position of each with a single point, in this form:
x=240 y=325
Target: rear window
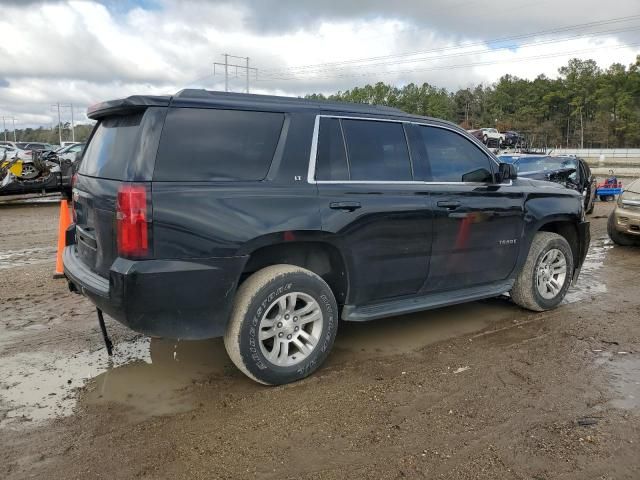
x=112 y=146
x=217 y=145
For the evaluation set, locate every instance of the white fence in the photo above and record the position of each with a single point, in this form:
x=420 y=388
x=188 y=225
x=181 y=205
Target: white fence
x=631 y=153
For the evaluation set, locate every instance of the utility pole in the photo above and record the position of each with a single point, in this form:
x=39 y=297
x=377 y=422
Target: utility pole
x=247 y=72
x=73 y=130
x=226 y=72
x=57 y=106
x=226 y=66
x=59 y=126
x=4 y=124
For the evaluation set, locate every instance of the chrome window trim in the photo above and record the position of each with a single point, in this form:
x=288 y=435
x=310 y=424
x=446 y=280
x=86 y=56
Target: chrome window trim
x=314 y=152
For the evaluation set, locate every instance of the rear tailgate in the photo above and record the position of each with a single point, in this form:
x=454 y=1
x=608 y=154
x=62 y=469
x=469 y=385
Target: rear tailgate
x=121 y=150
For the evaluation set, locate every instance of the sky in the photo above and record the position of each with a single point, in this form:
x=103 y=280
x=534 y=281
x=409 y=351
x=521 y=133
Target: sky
x=84 y=52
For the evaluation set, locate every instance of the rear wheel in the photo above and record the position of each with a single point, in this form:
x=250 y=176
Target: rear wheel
x=618 y=237
x=546 y=275
x=283 y=324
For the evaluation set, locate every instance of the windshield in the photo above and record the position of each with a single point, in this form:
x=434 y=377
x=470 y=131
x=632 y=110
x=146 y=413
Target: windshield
x=541 y=164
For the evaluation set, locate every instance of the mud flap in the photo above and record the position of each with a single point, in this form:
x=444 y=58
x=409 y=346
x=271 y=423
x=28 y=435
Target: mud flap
x=105 y=335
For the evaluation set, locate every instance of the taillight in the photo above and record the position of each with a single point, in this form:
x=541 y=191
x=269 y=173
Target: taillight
x=131 y=221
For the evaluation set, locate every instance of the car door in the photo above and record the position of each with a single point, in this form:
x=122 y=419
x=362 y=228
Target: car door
x=372 y=208
x=588 y=185
x=478 y=224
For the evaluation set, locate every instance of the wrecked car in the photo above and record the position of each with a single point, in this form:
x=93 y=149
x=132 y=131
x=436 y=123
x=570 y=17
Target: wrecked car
x=40 y=172
x=571 y=172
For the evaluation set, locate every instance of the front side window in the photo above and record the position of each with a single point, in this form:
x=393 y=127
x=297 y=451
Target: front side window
x=453 y=158
x=377 y=150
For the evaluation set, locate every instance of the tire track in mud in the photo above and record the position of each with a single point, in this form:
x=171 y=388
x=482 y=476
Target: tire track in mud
x=28 y=256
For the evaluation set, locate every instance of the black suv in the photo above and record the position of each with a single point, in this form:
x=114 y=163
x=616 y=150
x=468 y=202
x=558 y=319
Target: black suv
x=267 y=219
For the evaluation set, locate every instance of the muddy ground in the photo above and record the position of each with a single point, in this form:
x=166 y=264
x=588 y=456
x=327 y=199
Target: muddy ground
x=484 y=390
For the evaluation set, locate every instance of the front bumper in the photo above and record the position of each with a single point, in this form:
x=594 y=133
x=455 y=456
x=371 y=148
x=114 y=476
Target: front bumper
x=627 y=220
x=186 y=299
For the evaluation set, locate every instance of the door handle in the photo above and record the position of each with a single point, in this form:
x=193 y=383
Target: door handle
x=451 y=205
x=348 y=206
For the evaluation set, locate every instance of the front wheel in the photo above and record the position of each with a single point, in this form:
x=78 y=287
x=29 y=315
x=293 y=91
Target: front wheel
x=282 y=326
x=546 y=275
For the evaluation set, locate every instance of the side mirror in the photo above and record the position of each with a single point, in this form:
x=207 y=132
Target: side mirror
x=507 y=171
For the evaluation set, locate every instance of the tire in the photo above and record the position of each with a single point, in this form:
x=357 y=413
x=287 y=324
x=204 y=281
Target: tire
x=591 y=206
x=618 y=237
x=272 y=294
x=525 y=291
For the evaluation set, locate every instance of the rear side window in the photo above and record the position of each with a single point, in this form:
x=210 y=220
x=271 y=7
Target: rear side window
x=331 y=160
x=112 y=146
x=453 y=158
x=217 y=145
x=377 y=150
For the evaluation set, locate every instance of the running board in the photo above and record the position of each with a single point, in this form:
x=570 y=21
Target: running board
x=402 y=306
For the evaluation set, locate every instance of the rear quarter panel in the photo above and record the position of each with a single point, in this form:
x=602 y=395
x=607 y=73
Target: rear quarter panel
x=222 y=219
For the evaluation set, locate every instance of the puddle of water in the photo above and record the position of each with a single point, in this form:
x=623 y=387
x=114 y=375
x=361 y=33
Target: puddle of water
x=28 y=256
x=144 y=373
x=409 y=333
x=591 y=281
x=624 y=371
x=152 y=387
x=39 y=385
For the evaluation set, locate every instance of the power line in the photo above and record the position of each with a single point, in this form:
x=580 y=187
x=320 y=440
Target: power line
x=463 y=65
x=226 y=66
x=352 y=62
x=440 y=57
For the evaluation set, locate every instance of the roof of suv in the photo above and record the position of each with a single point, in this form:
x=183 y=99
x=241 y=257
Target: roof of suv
x=207 y=98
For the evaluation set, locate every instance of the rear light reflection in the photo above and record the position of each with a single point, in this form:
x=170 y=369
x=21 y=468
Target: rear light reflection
x=131 y=221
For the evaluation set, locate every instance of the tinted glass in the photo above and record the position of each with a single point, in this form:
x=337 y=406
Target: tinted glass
x=331 y=159
x=453 y=158
x=111 y=147
x=221 y=145
x=377 y=150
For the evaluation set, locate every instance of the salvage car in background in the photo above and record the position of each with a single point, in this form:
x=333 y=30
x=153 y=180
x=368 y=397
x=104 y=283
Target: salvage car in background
x=37 y=146
x=488 y=136
x=70 y=150
x=513 y=139
x=37 y=172
x=572 y=172
x=624 y=222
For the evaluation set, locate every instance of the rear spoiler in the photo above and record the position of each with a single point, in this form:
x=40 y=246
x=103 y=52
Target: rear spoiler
x=125 y=106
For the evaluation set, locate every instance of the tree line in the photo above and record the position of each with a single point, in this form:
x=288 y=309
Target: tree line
x=585 y=107
x=50 y=135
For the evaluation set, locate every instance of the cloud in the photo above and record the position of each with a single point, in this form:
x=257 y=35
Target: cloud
x=82 y=52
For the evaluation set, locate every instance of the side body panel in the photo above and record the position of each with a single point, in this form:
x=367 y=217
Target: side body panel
x=478 y=240
x=386 y=242
x=226 y=219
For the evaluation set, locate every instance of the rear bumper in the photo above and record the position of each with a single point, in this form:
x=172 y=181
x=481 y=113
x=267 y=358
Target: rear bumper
x=187 y=299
